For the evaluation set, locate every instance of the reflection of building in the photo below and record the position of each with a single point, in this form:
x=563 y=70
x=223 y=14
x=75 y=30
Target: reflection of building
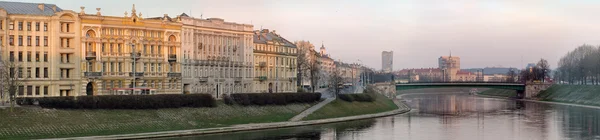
x=42 y=39
x=218 y=56
x=387 y=61
x=122 y=52
x=275 y=62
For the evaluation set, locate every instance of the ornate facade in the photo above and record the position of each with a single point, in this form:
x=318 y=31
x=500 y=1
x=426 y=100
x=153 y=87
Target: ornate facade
x=40 y=40
x=218 y=56
x=274 y=63
x=129 y=53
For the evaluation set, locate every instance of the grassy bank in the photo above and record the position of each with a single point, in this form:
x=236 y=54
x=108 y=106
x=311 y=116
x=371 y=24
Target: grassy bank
x=30 y=122
x=340 y=108
x=500 y=92
x=578 y=94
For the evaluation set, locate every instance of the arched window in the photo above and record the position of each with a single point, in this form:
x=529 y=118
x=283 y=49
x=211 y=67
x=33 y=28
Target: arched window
x=90 y=33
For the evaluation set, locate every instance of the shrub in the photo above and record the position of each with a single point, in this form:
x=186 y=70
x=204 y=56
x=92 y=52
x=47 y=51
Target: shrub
x=363 y=97
x=26 y=100
x=130 y=101
x=261 y=99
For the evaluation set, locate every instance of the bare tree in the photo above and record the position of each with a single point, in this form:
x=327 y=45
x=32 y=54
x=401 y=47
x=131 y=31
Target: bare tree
x=308 y=65
x=9 y=81
x=511 y=75
x=336 y=82
x=543 y=69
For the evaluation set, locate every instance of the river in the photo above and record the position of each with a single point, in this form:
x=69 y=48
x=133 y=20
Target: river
x=449 y=117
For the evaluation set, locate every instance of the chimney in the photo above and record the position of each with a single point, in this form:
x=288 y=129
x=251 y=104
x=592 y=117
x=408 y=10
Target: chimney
x=82 y=10
x=54 y=8
x=41 y=6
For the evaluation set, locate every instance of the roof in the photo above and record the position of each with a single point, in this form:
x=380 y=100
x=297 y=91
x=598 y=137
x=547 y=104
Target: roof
x=264 y=35
x=464 y=73
x=28 y=8
x=421 y=70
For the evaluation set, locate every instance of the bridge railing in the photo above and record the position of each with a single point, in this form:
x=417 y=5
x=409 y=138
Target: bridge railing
x=459 y=82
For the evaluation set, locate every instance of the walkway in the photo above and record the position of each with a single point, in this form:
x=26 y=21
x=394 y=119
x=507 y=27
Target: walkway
x=311 y=110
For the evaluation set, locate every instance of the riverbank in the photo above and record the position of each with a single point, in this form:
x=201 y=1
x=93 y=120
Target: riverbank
x=401 y=108
x=35 y=122
x=341 y=108
x=569 y=95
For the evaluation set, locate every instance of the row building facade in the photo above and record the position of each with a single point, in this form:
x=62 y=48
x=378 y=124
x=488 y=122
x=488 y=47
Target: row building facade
x=275 y=63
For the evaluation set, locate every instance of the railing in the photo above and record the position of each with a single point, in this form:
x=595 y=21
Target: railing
x=172 y=57
x=90 y=55
x=262 y=78
x=92 y=74
x=174 y=74
x=136 y=56
x=137 y=74
x=262 y=64
x=203 y=79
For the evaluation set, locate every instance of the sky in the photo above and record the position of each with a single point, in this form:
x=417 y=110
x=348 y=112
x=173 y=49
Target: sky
x=484 y=33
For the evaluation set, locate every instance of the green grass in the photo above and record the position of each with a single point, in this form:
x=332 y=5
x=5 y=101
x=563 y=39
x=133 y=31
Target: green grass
x=577 y=94
x=340 y=108
x=31 y=122
x=500 y=92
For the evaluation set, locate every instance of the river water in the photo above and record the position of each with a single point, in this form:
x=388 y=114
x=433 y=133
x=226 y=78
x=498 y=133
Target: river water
x=449 y=117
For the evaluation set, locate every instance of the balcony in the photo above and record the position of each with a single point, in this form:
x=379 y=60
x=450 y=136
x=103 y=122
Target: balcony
x=262 y=64
x=90 y=55
x=203 y=79
x=92 y=74
x=262 y=78
x=136 y=74
x=135 y=56
x=174 y=75
x=237 y=79
x=172 y=58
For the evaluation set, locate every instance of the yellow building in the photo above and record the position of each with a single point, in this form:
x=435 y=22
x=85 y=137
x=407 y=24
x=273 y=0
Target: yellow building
x=40 y=40
x=121 y=53
x=275 y=63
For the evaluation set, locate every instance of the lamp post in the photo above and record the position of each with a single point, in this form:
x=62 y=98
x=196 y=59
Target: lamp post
x=134 y=58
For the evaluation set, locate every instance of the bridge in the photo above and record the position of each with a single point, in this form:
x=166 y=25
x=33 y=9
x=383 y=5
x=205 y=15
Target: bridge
x=528 y=90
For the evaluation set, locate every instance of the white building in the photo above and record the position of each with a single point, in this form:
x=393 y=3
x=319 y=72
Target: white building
x=387 y=61
x=218 y=56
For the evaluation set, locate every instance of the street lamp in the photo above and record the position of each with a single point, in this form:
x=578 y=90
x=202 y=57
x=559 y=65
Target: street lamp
x=134 y=58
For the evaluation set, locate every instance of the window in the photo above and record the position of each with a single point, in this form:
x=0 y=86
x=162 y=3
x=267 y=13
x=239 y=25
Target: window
x=28 y=40
x=20 y=56
x=37 y=26
x=45 y=56
x=112 y=67
x=37 y=90
x=45 y=26
x=67 y=27
x=20 y=26
x=145 y=67
x=28 y=56
x=103 y=47
x=28 y=26
x=151 y=49
x=120 y=67
x=119 y=48
x=12 y=56
x=111 y=48
x=11 y=25
x=11 y=40
x=20 y=41
x=12 y=72
x=68 y=73
x=37 y=72
x=37 y=41
x=159 y=67
x=45 y=41
x=68 y=43
x=159 y=49
x=45 y=72
x=21 y=90
x=152 y=67
x=45 y=90
x=20 y=72
x=1 y=25
x=104 y=67
x=28 y=72
x=37 y=56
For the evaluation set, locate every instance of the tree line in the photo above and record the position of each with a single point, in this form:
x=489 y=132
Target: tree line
x=580 y=66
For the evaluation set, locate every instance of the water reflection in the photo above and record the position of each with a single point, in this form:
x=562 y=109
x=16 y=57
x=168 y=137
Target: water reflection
x=450 y=116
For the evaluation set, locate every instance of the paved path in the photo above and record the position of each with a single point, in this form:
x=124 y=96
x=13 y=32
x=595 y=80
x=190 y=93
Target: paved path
x=311 y=110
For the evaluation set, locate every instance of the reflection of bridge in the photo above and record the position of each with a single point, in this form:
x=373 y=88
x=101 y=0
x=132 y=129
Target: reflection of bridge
x=519 y=87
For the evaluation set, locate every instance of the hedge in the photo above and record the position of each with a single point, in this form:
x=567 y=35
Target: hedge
x=129 y=101
x=363 y=97
x=261 y=99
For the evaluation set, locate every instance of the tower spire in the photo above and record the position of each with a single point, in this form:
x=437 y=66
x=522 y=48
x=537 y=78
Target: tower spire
x=133 y=10
x=450 y=53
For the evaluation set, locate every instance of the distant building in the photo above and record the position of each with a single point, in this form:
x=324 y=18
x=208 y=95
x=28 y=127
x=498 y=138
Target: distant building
x=387 y=61
x=275 y=62
x=450 y=66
